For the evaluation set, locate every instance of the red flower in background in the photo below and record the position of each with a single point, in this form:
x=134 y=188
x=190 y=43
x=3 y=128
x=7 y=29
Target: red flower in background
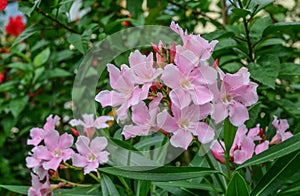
x=1 y=77
x=15 y=26
x=3 y=4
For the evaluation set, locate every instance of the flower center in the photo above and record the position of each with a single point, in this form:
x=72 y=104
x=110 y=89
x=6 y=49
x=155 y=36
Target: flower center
x=57 y=153
x=186 y=84
x=91 y=157
x=184 y=123
x=226 y=98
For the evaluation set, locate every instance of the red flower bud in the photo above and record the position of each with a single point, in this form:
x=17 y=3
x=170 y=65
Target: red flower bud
x=3 y=4
x=75 y=132
x=125 y=23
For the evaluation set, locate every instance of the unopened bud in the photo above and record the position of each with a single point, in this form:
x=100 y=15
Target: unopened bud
x=75 y=132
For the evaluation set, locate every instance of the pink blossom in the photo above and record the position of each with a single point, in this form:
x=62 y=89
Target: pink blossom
x=57 y=148
x=262 y=147
x=125 y=93
x=142 y=67
x=90 y=124
x=185 y=123
x=144 y=118
x=39 y=189
x=194 y=43
x=235 y=95
x=37 y=134
x=35 y=161
x=187 y=85
x=91 y=153
x=281 y=126
x=217 y=150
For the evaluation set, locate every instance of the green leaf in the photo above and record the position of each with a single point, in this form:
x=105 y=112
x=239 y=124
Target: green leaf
x=38 y=73
x=229 y=134
x=78 y=191
x=274 y=152
x=240 y=13
x=27 y=33
x=289 y=69
x=42 y=57
x=253 y=115
x=257 y=5
x=108 y=187
x=21 y=66
x=55 y=73
x=266 y=70
x=7 y=86
x=80 y=42
x=161 y=174
x=16 y=189
x=282 y=27
x=257 y=28
x=284 y=168
x=18 y=105
x=134 y=7
x=188 y=185
x=237 y=186
x=269 y=42
x=143 y=187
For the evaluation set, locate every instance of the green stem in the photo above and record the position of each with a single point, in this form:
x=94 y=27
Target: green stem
x=211 y=165
x=73 y=183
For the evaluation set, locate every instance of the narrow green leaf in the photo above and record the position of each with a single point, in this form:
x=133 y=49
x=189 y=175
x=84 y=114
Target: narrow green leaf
x=188 y=185
x=21 y=66
x=161 y=174
x=269 y=42
x=277 y=174
x=16 y=189
x=229 y=134
x=42 y=57
x=7 y=86
x=18 y=105
x=282 y=27
x=237 y=186
x=55 y=73
x=279 y=150
x=108 y=187
x=143 y=187
x=27 y=33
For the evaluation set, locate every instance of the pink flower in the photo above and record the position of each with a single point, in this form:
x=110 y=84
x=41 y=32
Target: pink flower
x=281 y=126
x=91 y=153
x=57 y=149
x=187 y=85
x=125 y=93
x=90 y=124
x=262 y=147
x=144 y=118
x=217 y=150
x=39 y=189
x=35 y=161
x=185 y=123
x=235 y=95
x=37 y=134
x=194 y=43
x=142 y=67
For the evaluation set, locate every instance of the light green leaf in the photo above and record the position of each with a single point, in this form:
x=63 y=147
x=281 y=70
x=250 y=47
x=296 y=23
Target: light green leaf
x=229 y=134
x=27 y=33
x=41 y=58
x=21 y=66
x=274 y=152
x=18 y=105
x=266 y=70
x=108 y=187
x=143 y=188
x=237 y=186
x=284 y=168
x=161 y=174
x=38 y=73
x=16 y=189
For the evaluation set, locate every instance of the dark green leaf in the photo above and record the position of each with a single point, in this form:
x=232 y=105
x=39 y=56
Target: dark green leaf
x=55 y=73
x=257 y=28
x=188 y=185
x=229 y=134
x=108 y=187
x=282 y=27
x=41 y=58
x=253 y=115
x=279 y=150
x=7 y=86
x=21 y=66
x=257 y=5
x=269 y=42
x=237 y=186
x=266 y=70
x=240 y=13
x=166 y=173
x=16 y=189
x=18 y=105
x=143 y=187
x=134 y=7
x=284 y=168
x=27 y=33
x=289 y=69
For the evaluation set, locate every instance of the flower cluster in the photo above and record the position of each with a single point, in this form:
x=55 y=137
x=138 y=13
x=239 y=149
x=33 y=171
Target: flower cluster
x=186 y=87
x=246 y=143
x=51 y=150
x=3 y=4
x=15 y=26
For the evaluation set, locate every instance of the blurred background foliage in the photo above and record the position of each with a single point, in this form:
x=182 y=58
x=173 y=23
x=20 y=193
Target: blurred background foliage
x=39 y=65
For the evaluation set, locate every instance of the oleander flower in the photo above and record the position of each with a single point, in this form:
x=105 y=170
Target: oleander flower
x=39 y=189
x=281 y=125
x=91 y=153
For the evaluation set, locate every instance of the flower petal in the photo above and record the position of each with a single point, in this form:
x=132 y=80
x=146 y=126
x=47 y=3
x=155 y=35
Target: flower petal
x=181 y=139
x=238 y=113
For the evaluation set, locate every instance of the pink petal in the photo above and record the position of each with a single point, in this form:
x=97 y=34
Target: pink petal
x=205 y=110
x=82 y=145
x=185 y=60
x=171 y=76
x=100 y=122
x=180 y=98
x=204 y=132
x=220 y=112
x=261 y=147
x=133 y=131
x=42 y=153
x=79 y=161
x=65 y=141
x=37 y=135
x=102 y=157
x=32 y=162
x=206 y=75
x=91 y=166
x=51 y=140
x=217 y=151
x=76 y=122
x=191 y=112
x=280 y=125
x=52 y=164
x=98 y=144
x=140 y=113
x=201 y=95
x=166 y=122
x=287 y=135
x=66 y=154
x=238 y=113
x=181 y=139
